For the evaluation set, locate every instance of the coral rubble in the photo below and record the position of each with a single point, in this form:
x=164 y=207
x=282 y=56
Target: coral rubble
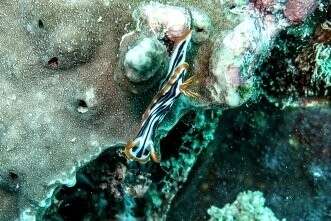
x=248 y=206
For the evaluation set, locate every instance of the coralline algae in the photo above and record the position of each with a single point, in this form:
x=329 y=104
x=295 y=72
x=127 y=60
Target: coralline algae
x=248 y=206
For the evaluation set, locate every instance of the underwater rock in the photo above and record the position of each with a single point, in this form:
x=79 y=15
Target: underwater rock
x=145 y=60
x=320 y=173
x=62 y=44
x=284 y=153
x=248 y=206
x=233 y=64
x=60 y=104
x=298 y=10
x=54 y=120
x=145 y=50
x=165 y=21
x=231 y=79
x=323 y=67
x=264 y=6
x=237 y=51
x=201 y=25
x=195 y=140
x=306 y=79
x=8 y=205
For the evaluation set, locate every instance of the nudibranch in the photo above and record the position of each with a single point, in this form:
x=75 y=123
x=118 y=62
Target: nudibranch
x=142 y=147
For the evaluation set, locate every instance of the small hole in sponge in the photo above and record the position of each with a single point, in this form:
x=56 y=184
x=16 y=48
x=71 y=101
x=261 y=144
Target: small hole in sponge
x=200 y=30
x=40 y=24
x=82 y=107
x=53 y=62
x=12 y=175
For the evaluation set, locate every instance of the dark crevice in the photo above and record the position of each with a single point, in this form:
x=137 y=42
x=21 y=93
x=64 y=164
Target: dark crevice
x=12 y=175
x=40 y=24
x=53 y=62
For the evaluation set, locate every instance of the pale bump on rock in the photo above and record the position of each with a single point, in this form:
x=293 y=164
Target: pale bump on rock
x=144 y=60
x=201 y=26
x=296 y=11
x=172 y=22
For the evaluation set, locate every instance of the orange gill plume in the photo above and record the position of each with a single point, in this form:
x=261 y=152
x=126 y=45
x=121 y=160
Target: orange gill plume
x=196 y=85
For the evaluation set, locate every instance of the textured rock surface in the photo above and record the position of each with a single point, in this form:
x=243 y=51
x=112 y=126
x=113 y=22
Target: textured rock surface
x=283 y=153
x=145 y=60
x=248 y=206
x=281 y=146
x=60 y=106
x=56 y=117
